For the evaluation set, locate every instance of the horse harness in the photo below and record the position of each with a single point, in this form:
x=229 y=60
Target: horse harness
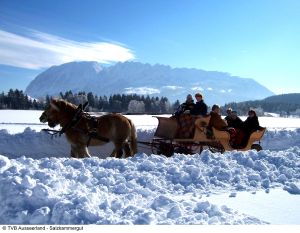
x=79 y=114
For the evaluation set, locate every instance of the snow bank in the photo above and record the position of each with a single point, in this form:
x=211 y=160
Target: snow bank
x=280 y=139
x=33 y=144
x=144 y=189
x=39 y=144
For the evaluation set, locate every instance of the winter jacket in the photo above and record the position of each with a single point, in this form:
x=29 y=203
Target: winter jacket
x=200 y=108
x=216 y=121
x=236 y=123
x=251 y=124
x=184 y=107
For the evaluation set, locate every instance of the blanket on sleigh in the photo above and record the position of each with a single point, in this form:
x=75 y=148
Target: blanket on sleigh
x=186 y=126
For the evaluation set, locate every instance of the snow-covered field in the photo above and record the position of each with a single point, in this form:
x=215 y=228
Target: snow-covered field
x=40 y=184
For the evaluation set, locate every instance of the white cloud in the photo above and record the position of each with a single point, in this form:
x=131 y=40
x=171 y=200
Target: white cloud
x=197 y=88
x=141 y=90
x=40 y=50
x=209 y=89
x=224 y=91
x=173 y=87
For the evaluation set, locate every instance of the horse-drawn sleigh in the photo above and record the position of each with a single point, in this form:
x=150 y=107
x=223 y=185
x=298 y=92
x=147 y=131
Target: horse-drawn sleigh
x=83 y=130
x=168 y=137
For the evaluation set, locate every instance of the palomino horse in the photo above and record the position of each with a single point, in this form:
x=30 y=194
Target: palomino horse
x=91 y=131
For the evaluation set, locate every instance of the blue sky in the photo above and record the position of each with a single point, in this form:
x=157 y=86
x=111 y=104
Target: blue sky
x=257 y=39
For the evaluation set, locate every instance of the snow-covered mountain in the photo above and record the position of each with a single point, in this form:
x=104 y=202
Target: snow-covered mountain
x=145 y=79
x=75 y=76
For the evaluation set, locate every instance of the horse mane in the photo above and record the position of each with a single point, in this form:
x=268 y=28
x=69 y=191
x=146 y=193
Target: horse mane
x=64 y=105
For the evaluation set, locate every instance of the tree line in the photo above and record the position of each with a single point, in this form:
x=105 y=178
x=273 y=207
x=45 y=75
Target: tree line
x=284 y=105
x=17 y=99
x=132 y=103
x=262 y=106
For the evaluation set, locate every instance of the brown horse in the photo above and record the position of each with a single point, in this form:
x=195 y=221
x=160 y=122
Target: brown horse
x=111 y=127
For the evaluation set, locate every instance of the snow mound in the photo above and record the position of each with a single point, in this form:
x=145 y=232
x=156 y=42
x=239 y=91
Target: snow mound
x=144 y=189
x=31 y=143
x=281 y=139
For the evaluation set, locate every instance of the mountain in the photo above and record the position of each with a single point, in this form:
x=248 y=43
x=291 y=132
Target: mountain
x=286 y=104
x=75 y=76
x=293 y=98
x=145 y=79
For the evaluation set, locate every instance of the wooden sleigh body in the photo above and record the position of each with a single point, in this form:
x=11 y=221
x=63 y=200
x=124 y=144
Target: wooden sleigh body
x=167 y=139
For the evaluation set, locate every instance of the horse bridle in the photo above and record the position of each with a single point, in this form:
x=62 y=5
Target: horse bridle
x=74 y=122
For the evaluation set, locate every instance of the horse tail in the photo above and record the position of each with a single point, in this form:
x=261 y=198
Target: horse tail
x=133 y=138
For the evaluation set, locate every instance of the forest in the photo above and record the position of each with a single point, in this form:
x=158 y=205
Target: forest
x=17 y=99
x=284 y=105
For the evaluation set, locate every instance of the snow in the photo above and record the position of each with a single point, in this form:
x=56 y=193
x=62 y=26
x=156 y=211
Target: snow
x=258 y=204
x=40 y=184
x=15 y=121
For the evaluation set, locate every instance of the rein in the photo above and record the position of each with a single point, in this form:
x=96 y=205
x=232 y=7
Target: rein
x=52 y=132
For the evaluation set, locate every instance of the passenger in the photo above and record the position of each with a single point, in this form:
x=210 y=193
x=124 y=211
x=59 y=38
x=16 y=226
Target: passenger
x=185 y=107
x=250 y=125
x=228 y=111
x=236 y=135
x=200 y=107
x=234 y=121
x=215 y=120
x=234 y=128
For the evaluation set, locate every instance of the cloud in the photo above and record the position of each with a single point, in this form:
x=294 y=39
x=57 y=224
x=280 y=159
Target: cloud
x=197 y=88
x=174 y=88
x=40 y=50
x=141 y=90
x=224 y=91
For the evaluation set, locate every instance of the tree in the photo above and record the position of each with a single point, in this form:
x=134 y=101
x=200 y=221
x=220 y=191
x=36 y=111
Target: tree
x=176 y=105
x=135 y=106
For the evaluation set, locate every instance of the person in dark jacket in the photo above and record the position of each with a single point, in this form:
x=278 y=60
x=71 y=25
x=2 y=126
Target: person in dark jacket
x=250 y=125
x=228 y=111
x=234 y=121
x=185 y=107
x=200 y=107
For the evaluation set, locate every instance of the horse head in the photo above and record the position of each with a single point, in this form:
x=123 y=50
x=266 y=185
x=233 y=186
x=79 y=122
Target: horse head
x=51 y=114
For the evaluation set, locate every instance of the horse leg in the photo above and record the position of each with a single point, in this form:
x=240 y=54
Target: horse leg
x=127 y=149
x=118 y=149
x=79 y=151
x=86 y=153
x=113 y=153
x=73 y=153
